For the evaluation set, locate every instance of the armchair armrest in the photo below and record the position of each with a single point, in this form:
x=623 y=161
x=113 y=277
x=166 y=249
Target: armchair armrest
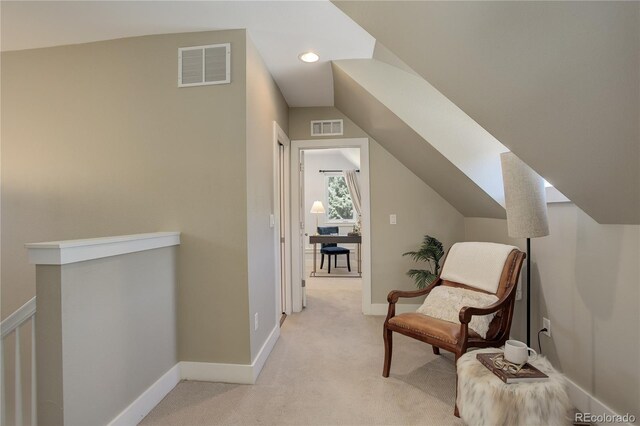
x=394 y=295
x=468 y=311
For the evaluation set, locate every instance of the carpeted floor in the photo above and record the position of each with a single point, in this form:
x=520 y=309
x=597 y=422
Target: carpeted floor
x=325 y=370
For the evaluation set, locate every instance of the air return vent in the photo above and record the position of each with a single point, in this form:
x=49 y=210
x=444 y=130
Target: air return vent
x=203 y=65
x=326 y=128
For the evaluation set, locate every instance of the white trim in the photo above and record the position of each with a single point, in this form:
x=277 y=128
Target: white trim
x=202 y=371
x=265 y=351
x=297 y=221
x=216 y=372
x=401 y=308
x=20 y=316
x=71 y=251
x=587 y=403
x=231 y=373
x=138 y=409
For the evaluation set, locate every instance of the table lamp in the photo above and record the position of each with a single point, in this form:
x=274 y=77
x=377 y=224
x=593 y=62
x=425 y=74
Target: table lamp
x=317 y=209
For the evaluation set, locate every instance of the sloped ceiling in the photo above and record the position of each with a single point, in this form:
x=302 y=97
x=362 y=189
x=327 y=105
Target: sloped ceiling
x=411 y=149
x=281 y=30
x=435 y=118
x=558 y=83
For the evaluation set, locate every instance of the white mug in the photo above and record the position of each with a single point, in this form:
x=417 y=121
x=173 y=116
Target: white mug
x=517 y=352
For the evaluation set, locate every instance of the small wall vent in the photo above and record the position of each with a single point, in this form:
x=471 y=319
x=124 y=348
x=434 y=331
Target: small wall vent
x=204 y=65
x=326 y=128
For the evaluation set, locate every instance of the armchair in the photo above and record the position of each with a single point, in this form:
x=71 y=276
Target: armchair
x=485 y=267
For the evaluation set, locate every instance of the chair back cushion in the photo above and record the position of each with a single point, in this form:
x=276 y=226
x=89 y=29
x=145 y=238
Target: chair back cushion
x=444 y=302
x=328 y=230
x=477 y=265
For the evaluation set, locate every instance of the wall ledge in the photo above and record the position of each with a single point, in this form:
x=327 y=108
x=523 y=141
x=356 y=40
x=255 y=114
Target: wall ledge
x=72 y=251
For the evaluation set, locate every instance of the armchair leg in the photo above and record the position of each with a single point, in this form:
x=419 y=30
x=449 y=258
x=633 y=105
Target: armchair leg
x=322 y=261
x=436 y=350
x=388 y=348
x=456 y=412
x=329 y=258
x=348 y=262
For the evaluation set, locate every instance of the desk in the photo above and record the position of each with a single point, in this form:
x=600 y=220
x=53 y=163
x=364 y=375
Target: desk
x=338 y=239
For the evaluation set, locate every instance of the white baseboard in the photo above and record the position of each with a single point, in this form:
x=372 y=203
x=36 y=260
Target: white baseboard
x=383 y=308
x=264 y=353
x=230 y=373
x=587 y=403
x=135 y=412
x=203 y=371
x=216 y=372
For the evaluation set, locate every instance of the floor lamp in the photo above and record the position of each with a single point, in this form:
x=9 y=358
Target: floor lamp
x=526 y=204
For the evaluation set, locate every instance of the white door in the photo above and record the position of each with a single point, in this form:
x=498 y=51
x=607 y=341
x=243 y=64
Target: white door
x=303 y=236
x=282 y=221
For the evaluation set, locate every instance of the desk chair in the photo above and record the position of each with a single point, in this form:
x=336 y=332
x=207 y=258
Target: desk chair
x=332 y=249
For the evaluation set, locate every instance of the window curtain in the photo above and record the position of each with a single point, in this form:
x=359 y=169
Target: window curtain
x=351 y=178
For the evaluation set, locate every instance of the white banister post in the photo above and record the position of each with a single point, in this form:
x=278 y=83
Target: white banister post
x=18 y=381
x=3 y=420
x=34 y=411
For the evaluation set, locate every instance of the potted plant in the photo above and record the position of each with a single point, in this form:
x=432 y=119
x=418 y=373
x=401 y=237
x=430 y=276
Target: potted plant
x=430 y=251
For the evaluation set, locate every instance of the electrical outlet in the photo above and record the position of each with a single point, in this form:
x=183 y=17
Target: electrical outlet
x=392 y=219
x=255 y=322
x=546 y=323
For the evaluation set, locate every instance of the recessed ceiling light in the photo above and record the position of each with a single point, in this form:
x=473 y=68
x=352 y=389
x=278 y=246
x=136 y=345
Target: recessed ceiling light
x=308 y=57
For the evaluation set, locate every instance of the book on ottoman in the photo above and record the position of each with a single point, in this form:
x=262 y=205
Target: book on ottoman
x=527 y=373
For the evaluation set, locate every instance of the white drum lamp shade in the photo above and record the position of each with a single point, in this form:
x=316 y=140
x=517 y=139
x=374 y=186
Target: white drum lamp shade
x=525 y=199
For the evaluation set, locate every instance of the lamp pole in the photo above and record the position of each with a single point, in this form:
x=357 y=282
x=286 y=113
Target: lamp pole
x=529 y=292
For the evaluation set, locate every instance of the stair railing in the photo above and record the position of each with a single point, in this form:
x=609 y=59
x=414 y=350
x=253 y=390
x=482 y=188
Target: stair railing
x=12 y=325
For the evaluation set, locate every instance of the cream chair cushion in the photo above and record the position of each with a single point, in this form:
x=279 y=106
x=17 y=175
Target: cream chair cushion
x=445 y=302
x=477 y=265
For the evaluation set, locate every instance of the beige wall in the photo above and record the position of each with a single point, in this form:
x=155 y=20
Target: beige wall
x=394 y=190
x=97 y=139
x=107 y=331
x=586 y=280
x=265 y=104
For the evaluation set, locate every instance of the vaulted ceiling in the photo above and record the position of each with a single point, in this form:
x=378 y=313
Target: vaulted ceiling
x=409 y=147
x=280 y=31
x=558 y=83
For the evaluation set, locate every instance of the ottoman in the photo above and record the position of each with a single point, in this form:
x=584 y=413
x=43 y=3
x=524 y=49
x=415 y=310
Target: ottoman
x=484 y=399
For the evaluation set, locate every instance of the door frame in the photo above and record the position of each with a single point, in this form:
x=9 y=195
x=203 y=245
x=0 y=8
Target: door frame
x=296 y=220
x=281 y=138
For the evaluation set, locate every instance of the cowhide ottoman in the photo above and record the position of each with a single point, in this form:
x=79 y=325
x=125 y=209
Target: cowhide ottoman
x=484 y=399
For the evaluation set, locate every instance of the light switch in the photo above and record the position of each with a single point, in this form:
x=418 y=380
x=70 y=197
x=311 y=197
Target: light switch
x=272 y=221
x=392 y=219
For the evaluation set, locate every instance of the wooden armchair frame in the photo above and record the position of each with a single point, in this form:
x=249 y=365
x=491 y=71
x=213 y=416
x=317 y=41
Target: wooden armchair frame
x=500 y=326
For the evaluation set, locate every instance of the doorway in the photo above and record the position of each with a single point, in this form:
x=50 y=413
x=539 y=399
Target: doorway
x=314 y=181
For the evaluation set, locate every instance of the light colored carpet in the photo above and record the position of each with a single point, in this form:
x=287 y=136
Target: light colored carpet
x=340 y=271
x=326 y=369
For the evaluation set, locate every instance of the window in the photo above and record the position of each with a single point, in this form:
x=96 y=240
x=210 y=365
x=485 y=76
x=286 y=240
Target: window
x=338 y=200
